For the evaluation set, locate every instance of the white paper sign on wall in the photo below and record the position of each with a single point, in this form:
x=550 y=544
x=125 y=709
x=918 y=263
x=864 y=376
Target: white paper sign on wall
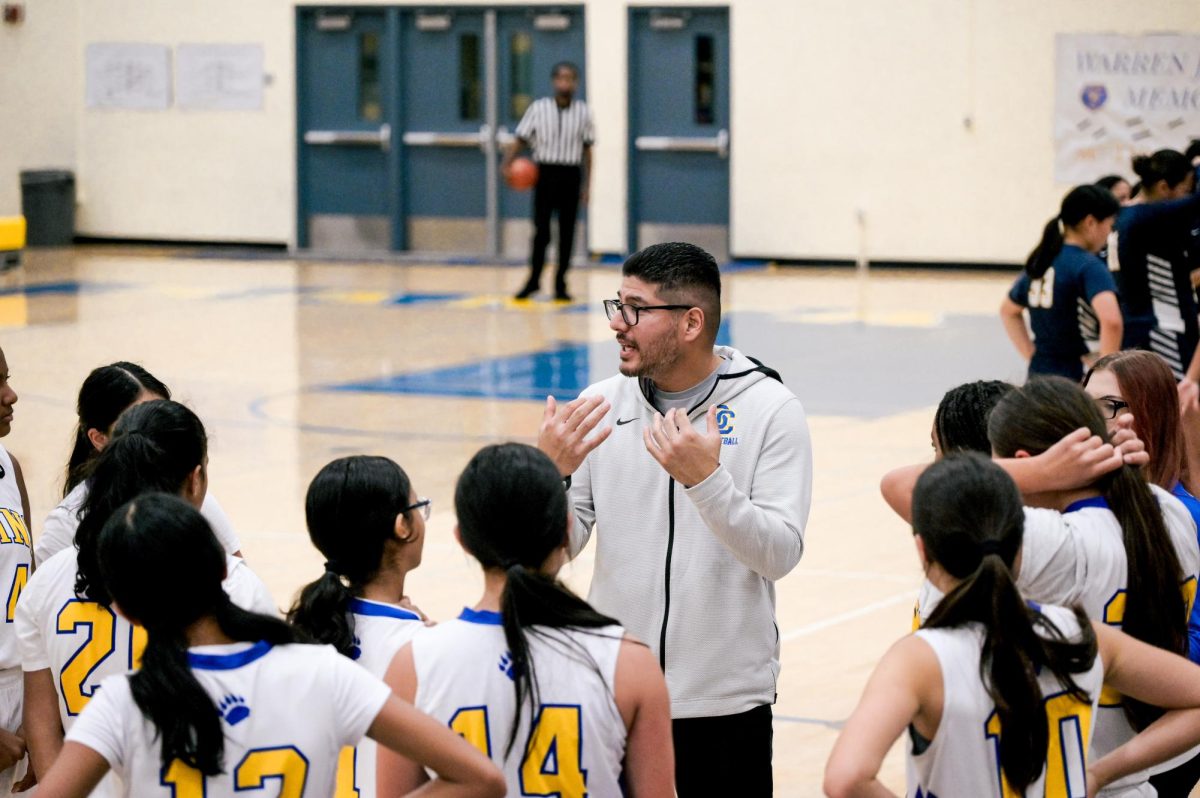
x=1119 y=96
x=129 y=76
x=219 y=77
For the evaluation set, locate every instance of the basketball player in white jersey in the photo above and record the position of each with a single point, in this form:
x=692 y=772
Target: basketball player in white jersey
x=364 y=517
x=548 y=688
x=225 y=702
x=1093 y=544
x=16 y=563
x=70 y=636
x=106 y=393
x=1022 y=729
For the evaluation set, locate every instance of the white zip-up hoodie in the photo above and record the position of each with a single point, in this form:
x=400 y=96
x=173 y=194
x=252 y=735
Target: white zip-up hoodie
x=691 y=570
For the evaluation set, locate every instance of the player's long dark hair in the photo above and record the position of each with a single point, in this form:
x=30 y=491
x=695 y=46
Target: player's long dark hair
x=969 y=515
x=104 y=395
x=155 y=447
x=1169 y=165
x=1045 y=411
x=1080 y=203
x=962 y=416
x=512 y=515
x=351 y=510
x=164 y=567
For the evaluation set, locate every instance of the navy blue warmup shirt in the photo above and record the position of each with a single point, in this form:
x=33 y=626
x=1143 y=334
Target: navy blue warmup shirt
x=1152 y=267
x=1060 y=310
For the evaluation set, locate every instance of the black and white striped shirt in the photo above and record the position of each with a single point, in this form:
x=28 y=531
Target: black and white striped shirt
x=557 y=135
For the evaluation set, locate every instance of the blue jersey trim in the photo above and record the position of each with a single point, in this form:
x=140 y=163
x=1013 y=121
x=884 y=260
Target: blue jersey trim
x=376 y=609
x=486 y=617
x=228 y=662
x=1082 y=504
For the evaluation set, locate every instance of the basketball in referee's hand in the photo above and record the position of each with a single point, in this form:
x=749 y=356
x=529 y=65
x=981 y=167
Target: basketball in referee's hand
x=522 y=174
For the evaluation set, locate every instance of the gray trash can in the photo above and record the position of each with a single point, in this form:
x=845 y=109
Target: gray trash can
x=48 y=202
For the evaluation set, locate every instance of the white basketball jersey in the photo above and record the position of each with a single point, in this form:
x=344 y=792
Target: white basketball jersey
x=380 y=630
x=286 y=713
x=1078 y=557
x=576 y=743
x=58 y=530
x=83 y=642
x=963 y=757
x=16 y=557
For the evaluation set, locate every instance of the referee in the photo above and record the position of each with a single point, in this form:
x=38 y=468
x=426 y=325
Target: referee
x=559 y=131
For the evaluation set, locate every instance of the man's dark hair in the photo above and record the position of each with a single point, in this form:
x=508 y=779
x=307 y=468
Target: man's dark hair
x=567 y=65
x=683 y=274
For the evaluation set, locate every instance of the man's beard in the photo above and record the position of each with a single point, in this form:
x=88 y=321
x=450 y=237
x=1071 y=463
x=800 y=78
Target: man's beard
x=654 y=359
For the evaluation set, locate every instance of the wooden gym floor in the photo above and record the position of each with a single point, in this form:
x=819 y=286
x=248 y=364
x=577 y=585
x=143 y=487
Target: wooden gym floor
x=293 y=363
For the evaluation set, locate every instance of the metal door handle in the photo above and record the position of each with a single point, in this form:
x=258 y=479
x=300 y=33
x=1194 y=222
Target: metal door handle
x=417 y=138
x=718 y=144
x=381 y=138
x=503 y=137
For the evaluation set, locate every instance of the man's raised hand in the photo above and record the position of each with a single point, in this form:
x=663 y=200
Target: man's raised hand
x=564 y=432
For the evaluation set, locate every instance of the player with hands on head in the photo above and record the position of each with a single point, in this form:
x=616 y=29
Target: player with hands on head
x=213 y=711
x=999 y=694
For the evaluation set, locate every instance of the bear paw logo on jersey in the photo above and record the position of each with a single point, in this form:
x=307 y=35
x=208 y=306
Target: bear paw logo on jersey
x=506 y=664
x=725 y=417
x=1094 y=96
x=356 y=649
x=233 y=709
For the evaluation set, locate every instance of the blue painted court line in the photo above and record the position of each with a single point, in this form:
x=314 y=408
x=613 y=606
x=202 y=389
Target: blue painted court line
x=57 y=289
x=561 y=371
x=422 y=299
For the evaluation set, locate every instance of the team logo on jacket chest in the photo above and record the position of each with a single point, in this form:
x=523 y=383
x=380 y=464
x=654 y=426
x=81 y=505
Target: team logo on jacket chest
x=725 y=417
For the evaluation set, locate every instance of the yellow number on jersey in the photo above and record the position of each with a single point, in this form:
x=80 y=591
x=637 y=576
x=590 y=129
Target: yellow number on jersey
x=100 y=642
x=20 y=578
x=554 y=759
x=256 y=768
x=185 y=781
x=1114 y=615
x=286 y=764
x=347 y=774
x=1069 y=721
x=1041 y=292
x=472 y=724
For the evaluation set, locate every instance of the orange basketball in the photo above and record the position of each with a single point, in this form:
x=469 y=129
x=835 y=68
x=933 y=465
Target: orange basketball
x=522 y=174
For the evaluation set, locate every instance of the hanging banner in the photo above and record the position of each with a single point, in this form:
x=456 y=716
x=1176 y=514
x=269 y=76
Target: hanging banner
x=1120 y=96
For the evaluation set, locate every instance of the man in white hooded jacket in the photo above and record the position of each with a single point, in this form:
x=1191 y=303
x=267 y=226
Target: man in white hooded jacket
x=698 y=487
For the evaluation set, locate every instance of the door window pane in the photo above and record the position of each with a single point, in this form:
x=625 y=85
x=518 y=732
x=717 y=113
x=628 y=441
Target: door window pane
x=520 y=74
x=470 y=81
x=706 y=81
x=370 y=96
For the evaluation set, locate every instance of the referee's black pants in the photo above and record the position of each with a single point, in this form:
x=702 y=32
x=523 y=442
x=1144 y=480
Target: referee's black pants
x=557 y=191
x=728 y=755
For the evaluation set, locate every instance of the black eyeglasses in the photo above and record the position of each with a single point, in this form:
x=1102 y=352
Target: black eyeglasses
x=1110 y=408
x=422 y=504
x=611 y=306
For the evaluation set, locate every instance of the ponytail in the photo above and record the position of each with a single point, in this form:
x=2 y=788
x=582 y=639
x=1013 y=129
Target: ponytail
x=1043 y=255
x=969 y=515
x=532 y=604
x=1155 y=610
x=322 y=610
x=1080 y=203
x=350 y=509
x=1018 y=642
x=512 y=516
x=165 y=569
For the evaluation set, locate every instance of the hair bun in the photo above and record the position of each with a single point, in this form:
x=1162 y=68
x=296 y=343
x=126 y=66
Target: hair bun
x=1143 y=166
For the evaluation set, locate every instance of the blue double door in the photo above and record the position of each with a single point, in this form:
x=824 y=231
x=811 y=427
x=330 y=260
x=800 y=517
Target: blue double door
x=403 y=115
x=679 y=127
